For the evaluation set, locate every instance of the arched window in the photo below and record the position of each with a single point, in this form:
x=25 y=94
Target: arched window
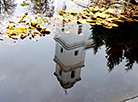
x=72 y=74
x=80 y=29
x=60 y=72
x=61 y=50
x=76 y=53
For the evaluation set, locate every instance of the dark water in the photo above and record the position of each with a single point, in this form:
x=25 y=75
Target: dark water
x=64 y=69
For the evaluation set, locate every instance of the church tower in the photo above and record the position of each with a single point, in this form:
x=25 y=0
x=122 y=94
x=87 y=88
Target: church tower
x=70 y=55
x=70 y=50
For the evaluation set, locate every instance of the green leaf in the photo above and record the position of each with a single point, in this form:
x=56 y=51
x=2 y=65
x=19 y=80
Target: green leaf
x=24 y=4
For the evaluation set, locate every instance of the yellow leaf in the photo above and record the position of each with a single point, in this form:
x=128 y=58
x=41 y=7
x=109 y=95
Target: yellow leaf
x=96 y=8
x=33 y=24
x=35 y=39
x=67 y=32
x=15 y=37
x=114 y=25
x=111 y=10
x=91 y=23
x=9 y=31
x=102 y=15
x=11 y=21
x=31 y=27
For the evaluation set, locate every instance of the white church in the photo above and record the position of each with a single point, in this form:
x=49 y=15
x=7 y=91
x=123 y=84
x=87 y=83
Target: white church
x=70 y=54
x=70 y=51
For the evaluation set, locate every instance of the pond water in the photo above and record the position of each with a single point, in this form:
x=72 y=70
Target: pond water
x=61 y=67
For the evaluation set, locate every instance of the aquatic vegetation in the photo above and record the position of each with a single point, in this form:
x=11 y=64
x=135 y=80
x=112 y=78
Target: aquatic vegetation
x=29 y=28
x=104 y=15
x=107 y=16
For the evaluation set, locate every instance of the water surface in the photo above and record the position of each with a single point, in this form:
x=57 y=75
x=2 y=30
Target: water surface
x=63 y=69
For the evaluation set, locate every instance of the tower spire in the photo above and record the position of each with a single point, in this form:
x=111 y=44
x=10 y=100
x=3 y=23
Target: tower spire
x=66 y=93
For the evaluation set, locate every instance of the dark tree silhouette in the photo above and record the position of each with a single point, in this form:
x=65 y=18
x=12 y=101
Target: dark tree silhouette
x=121 y=43
x=7 y=7
x=43 y=6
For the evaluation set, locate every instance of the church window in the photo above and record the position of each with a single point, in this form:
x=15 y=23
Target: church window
x=72 y=74
x=76 y=53
x=60 y=72
x=61 y=50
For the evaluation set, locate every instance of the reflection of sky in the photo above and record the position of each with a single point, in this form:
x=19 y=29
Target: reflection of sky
x=70 y=5
x=28 y=71
x=114 y=86
x=20 y=10
x=19 y=1
x=26 y=75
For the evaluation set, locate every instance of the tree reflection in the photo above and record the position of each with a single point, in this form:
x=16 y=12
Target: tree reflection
x=121 y=43
x=7 y=7
x=44 y=7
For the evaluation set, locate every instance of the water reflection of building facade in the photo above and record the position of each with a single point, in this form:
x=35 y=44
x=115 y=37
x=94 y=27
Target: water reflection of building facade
x=70 y=55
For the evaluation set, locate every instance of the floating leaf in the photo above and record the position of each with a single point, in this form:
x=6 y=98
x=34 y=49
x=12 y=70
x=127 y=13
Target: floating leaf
x=10 y=27
x=24 y=4
x=67 y=32
x=15 y=37
x=114 y=25
x=34 y=39
x=44 y=31
x=84 y=17
x=26 y=13
x=119 y=20
x=73 y=14
x=9 y=31
x=90 y=23
x=10 y=21
x=102 y=9
x=39 y=28
x=31 y=27
x=101 y=15
x=23 y=36
x=38 y=4
x=78 y=22
x=98 y=23
x=110 y=10
x=109 y=27
x=96 y=8
x=34 y=24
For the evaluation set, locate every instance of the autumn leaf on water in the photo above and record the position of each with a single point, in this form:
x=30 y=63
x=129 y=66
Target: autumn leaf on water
x=73 y=14
x=34 y=24
x=15 y=37
x=24 y=4
x=67 y=32
x=10 y=21
x=101 y=15
x=73 y=0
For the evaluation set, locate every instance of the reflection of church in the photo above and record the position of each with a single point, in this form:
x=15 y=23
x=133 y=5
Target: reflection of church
x=70 y=55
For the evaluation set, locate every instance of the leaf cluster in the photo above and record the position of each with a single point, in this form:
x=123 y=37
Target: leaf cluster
x=30 y=29
x=105 y=15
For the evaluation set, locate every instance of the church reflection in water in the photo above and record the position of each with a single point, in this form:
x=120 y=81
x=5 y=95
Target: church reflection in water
x=70 y=55
x=120 y=43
